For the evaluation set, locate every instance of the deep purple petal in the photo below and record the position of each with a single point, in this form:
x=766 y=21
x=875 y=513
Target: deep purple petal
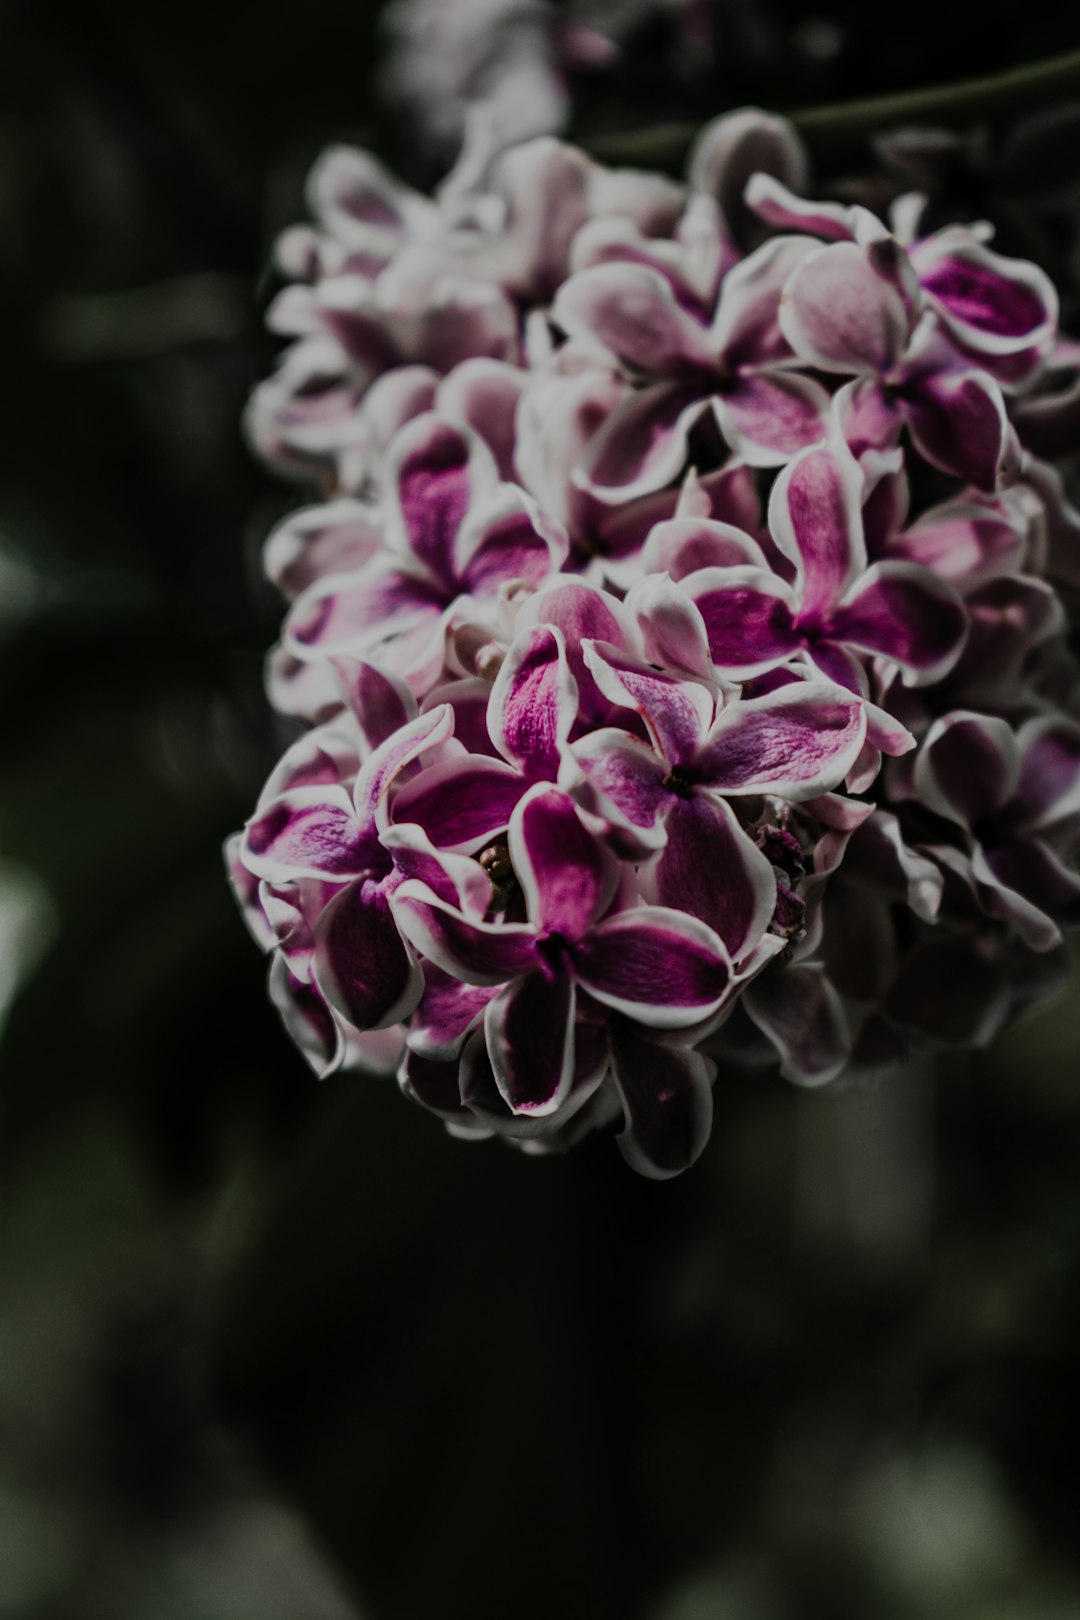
x=567 y=877
x=379 y=773
x=660 y=967
x=815 y=518
x=533 y=703
x=507 y=541
x=766 y=416
x=801 y=1013
x=433 y=473
x=666 y=1094
x=476 y=952
x=306 y=1017
x=461 y=803
x=677 y=713
x=1024 y=882
x=530 y=1040
x=642 y=445
x=904 y=613
x=362 y=965
x=1049 y=786
x=748 y=615
x=968 y=766
x=445 y=1013
x=310 y=832
x=622 y=785
x=683 y=545
x=958 y=421
x=993 y=304
x=381 y=703
x=798 y=742
x=710 y=868
x=485 y=393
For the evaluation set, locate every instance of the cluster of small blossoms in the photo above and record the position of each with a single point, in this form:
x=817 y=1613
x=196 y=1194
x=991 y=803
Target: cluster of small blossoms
x=676 y=656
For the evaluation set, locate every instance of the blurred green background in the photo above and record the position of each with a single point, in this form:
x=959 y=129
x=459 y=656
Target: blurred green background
x=275 y=1349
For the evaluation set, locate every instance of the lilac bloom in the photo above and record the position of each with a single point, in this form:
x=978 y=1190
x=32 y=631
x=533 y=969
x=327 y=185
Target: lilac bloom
x=456 y=541
x=1017 y=796
x=735 y=364
x=671 y=794
x=856 y=309
x=835 y=606
x=990 y=305
x=324 y=834
x=558 y=416
x=656 y=966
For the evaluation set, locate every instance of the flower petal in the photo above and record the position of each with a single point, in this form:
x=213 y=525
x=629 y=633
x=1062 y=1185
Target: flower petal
x=621 y=784
x=631 y=309
x=710 y=868
x=658 y=966
x=968 y=766
x=529 y=1028
x=801 y=1013
x=310 y=832
x=434 y=470
x=461 y=803
x=993 y=305
x=840 y=313
x=567 y=877
x=666 y=1095
x=749 y=618
x=379 y=773
x=798 y=741
x=445 y=1014
x=815 y=517
x=642 y=445
x=676 y=712
x=533 y=703
x=958 y=421
x=475 y=952
x=1049 y=786
x=766 y=416
x=903 y=612
x=362 y=965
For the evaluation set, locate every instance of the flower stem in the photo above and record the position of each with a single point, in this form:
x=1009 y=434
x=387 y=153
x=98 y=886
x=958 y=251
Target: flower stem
x=832 y=130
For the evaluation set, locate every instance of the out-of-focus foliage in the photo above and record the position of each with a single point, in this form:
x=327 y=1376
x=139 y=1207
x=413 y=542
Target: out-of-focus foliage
x=274 y=1349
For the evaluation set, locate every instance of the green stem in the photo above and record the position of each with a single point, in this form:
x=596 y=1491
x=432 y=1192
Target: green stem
x=832 y=130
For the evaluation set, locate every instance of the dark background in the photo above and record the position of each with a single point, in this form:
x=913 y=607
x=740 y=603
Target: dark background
x=270 y=1348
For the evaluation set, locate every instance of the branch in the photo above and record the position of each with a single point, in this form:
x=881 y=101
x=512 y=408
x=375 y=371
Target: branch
x=831 y=131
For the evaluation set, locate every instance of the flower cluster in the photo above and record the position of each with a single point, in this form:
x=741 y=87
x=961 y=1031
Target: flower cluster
x=677 y=648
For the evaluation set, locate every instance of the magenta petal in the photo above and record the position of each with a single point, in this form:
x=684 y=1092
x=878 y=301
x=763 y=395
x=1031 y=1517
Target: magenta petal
x=666 y=1094
x=507 y=542
x=432 y=478
x=746 y=327
x=801 y=1013
x=309 y=832
x=660 y=967
x=445 y=1014
x=642 y=445
x=766 y=416
x=959 y=423
x=379 y=773
x=676 y=712
x=581 y=612
x=362 y=965
x=477 y=952
x=710 y=868
x=381 y=703
x=841 y=314
x=816 y=519
x=567 y=877
x=993 y=304
x=622 y=785
x=530 y=1041
x=461 y=803
x=748 y=617
x=533 y=703
x=798 y=741
x=1049 y=786
x=904 y=613
x=968 y=766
